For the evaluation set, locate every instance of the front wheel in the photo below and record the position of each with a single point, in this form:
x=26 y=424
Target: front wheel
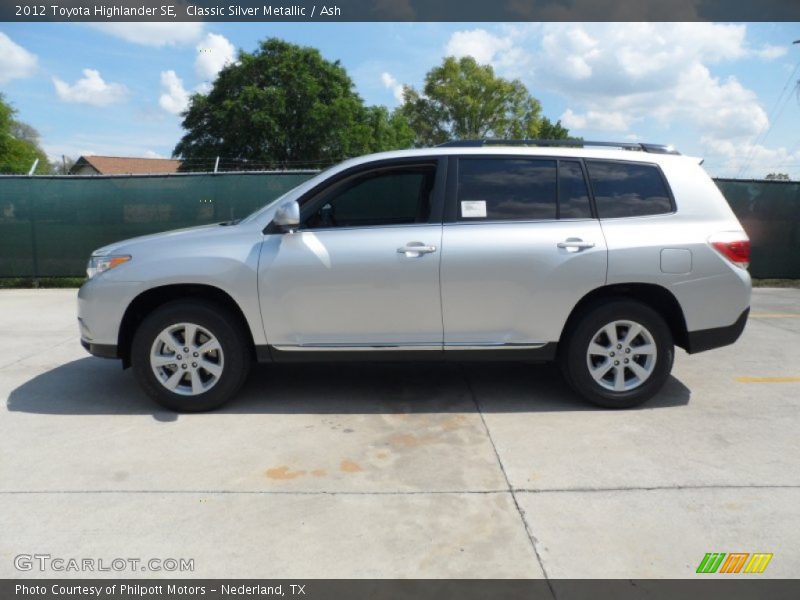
x=190 y=356
x=618 y=354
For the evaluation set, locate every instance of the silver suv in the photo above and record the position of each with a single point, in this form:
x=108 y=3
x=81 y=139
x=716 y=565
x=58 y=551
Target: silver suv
x=601 y=257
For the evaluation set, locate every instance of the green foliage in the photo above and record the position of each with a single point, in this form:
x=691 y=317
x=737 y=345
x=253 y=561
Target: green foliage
x=464 y=100
x=778 y=177
x=284 y=105
x=553 y=131
x=19 y=144
x=388 y=131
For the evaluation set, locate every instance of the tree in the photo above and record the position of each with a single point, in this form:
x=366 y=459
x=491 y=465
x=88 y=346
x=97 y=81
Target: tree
x=19 y=144
x=283 y=105
x=553 y=131
x=778 y=177
x=387 y=130
x=462 y=100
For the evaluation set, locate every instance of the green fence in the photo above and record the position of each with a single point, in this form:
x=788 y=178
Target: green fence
x=770 y=214
x=49 y=225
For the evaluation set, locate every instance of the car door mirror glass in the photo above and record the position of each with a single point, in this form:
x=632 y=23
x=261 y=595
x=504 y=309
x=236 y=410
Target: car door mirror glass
x=287 y=216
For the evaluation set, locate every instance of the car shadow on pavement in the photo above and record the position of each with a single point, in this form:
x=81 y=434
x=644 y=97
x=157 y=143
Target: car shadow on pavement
x=90 y=386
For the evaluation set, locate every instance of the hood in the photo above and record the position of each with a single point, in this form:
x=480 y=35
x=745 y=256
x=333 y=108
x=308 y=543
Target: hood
x=175 y=236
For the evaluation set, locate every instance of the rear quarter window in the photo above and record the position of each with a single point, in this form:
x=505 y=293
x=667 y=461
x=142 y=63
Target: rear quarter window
x=628 y=189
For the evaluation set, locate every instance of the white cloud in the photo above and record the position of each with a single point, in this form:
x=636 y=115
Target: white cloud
x=497 y=50
x=593 y=119
x=733 y=159
x=175 y=98
x=213 y=53
x=153 y=34
x=481 y=45
x=92 y=89
x=15 y=61
x=390 y=82
x=620 y=73
x=152 y=154
x=658 y=76
x=770 y=52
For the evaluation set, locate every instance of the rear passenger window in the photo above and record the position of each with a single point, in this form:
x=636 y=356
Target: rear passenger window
x=628 y=189
x=500 y=189
x=573 y=195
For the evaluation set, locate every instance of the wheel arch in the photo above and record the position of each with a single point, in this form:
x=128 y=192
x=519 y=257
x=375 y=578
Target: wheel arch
x=655 y=296
x=153 y=298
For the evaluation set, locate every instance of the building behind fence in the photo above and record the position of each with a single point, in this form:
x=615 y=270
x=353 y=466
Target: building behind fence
x=50 y=225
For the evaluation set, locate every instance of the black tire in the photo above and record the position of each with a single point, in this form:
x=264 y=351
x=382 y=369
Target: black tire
x=573 y=352
x=217 y=321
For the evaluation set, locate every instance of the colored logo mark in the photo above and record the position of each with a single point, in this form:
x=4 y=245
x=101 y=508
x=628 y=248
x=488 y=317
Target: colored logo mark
x=734 y=562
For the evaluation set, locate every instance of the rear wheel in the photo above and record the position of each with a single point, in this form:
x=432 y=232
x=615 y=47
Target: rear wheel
x=190 y=356
x=618 y=354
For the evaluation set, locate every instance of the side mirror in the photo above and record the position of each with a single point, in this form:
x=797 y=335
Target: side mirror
x=287 y=217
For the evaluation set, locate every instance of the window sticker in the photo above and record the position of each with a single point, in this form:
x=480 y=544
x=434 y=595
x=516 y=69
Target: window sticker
x=473 y=209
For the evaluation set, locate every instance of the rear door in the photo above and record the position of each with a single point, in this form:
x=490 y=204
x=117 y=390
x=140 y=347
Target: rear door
x=520 y=247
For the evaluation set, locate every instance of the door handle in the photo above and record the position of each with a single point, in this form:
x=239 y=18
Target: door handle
x=415 y=249
x=576 y=244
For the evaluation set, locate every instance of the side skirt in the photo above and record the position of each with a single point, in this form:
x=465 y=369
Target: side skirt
x=539 y=353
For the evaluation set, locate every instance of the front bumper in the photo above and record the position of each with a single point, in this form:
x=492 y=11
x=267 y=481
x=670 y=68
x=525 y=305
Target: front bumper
x=101 y=350
x=707 y=339
x=101 y=306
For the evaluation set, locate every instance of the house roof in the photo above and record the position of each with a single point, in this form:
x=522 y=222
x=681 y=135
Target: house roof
x=125 y=165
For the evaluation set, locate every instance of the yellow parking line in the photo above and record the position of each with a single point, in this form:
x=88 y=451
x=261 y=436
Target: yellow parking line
x=775 y=315
x=768 y=379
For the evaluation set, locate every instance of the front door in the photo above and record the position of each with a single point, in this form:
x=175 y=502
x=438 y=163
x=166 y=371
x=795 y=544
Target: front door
x=362 y=270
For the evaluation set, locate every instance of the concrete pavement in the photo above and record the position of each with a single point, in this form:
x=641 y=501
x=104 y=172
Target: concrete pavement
x=494 y=470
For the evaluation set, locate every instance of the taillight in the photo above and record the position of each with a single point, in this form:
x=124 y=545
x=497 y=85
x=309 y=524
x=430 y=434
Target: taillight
x=733 y=245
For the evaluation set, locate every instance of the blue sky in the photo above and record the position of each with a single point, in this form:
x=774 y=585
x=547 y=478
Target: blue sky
x=725 y=92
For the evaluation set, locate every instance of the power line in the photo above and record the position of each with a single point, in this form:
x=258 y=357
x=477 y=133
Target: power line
x=761 y=136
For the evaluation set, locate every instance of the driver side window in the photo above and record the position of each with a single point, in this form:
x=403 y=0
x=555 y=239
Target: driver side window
x=391 y=196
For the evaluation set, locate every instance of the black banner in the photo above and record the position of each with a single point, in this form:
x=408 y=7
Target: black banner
x=400 y=589
x=399 y=10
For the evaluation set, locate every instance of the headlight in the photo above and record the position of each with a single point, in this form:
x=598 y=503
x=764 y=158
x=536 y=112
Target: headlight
x=98 y=264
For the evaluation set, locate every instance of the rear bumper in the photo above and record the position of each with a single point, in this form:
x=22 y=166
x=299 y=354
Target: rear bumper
x=707 y=339
x=101 y=350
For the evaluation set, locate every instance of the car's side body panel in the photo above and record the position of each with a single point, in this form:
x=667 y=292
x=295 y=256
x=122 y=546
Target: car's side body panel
x=510 y=284
x=225 y=258
x=712 y=293
x=351 y=287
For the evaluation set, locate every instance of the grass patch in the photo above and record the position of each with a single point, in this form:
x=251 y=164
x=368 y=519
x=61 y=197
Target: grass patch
x=780 y=283
x=40 y=282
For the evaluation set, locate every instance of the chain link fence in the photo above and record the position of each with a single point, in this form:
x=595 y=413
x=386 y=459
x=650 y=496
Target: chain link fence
x=49 y=225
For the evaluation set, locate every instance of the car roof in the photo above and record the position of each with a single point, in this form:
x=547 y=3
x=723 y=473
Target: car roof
x=548 y=151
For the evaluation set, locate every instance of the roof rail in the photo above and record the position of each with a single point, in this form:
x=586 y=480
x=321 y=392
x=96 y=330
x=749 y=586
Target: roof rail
x=569 y=143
